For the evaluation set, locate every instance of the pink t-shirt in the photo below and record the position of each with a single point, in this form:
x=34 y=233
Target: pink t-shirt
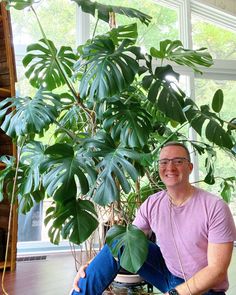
x=203 y=218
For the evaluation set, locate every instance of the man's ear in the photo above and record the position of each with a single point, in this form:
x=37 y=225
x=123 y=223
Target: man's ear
x=190 y=167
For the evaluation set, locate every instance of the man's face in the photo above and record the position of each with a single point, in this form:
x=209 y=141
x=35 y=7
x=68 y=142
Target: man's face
x=173 y=175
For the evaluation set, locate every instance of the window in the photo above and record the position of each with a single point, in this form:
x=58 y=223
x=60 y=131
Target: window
x=205 y=89
x=58 y=19
x=172 y=19
x=217 y=32
x=220 y=41
x=59 y=22
x=164 y=24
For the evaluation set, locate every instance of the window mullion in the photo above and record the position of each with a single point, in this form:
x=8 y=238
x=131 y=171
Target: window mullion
x=192 y=133
x=186 y=37
x=185 y=24
x=82 y=26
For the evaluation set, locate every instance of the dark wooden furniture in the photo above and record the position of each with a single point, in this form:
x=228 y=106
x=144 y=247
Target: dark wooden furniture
x=7 y=89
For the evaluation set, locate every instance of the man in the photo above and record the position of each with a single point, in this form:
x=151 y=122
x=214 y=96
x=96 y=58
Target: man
x=195 y=232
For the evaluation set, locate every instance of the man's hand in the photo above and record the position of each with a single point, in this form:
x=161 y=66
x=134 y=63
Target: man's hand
x=80 y=274
x=219 y=256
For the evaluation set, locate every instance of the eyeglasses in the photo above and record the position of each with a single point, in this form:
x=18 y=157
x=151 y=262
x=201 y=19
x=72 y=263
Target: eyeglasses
x=175 y=161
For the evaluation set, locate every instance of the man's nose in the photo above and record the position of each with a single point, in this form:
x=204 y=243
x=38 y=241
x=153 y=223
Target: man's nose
x=170 y=164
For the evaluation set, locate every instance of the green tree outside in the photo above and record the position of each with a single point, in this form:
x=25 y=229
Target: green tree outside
x=164 y=23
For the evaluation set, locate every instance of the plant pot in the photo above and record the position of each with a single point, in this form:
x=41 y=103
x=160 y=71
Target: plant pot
x=128 y=279
x=125 y=277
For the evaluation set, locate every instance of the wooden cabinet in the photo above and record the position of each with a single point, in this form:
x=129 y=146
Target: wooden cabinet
x=7 y=89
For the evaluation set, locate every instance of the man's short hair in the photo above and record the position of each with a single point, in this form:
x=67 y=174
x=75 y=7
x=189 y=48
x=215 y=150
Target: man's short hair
x=177 y=143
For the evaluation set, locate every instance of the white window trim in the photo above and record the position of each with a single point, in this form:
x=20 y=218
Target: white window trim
x=82 y=26
x=220 y=70
x=37 y=247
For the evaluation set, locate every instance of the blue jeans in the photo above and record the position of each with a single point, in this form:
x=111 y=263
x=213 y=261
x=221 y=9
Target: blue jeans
x=103 y=269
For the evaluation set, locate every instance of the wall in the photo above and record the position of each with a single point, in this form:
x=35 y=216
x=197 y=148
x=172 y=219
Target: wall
x=228 y=6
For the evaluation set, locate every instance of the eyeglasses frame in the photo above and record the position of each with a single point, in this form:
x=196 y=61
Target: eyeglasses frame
x=172 y=161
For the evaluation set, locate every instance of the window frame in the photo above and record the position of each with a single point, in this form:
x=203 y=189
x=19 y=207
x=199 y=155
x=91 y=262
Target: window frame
x=221 y=70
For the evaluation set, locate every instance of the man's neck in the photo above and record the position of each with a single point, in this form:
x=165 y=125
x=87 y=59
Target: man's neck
x=179 y=196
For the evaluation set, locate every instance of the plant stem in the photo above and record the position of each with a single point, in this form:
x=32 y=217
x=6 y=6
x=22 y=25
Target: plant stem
x=95 y=28
x=230 y=124
x=10 y=220
x=215 y=177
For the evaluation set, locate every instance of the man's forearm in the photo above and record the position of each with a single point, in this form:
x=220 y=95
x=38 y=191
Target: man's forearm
x=202 y=281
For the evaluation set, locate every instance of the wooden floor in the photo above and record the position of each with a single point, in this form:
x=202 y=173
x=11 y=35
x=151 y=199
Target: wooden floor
x=50 y=276
x=54 y=276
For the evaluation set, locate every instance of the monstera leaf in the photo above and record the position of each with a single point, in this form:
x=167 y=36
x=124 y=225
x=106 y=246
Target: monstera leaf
x=214 y=131
x=28 y=201
x=227 y=188
x=19 y=4
x=31 y=157
x=174 y=51
x=73 y=119
x=107 y=70
x=170 y=102
x=117 y=35
x=129 y=237
x=128 y=122
x=114 y=166
x=29 y=189
x=28 y=179
x=217 y=101
x=47 y=66
x=166 y=95
x=26 y=115
x=103 y=11
x=74 y=220
x=61 y=169
x=4 y=173
x=210 y=167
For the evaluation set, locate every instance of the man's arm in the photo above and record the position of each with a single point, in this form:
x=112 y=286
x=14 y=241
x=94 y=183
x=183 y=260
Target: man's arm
x=219 y=256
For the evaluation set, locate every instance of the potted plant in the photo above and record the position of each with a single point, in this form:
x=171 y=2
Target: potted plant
x=107 y=134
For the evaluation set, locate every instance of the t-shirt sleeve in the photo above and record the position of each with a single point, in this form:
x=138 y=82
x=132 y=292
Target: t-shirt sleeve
x=142 y=220
x=221 y=224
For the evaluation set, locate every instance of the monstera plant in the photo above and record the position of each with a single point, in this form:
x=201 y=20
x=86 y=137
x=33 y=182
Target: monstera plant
x=107 y=134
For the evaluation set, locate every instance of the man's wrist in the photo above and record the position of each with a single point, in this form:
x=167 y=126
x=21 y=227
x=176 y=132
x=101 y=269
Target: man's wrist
x=173 y=292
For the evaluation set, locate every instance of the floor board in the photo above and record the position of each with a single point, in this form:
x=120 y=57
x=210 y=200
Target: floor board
x=52 y=276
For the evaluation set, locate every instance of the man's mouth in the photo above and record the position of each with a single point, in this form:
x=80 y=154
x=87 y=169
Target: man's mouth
x=171 y=175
